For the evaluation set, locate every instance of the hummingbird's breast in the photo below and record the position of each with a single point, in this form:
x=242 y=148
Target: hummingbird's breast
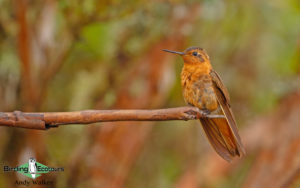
x=198 y=90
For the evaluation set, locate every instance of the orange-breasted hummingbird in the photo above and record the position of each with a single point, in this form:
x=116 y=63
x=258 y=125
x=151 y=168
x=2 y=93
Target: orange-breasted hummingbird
x=203 y=88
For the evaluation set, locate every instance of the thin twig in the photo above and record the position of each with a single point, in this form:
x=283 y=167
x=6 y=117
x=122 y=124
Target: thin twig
x=48 y=120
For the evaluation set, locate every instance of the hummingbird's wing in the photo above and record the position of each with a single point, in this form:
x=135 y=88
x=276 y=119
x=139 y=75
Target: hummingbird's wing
x=229 y=126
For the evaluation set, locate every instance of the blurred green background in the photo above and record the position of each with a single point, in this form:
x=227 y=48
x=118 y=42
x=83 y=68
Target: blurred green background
x=75 y=55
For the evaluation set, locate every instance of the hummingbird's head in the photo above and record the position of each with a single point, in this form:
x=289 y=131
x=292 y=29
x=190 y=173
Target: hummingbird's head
x=193 y=55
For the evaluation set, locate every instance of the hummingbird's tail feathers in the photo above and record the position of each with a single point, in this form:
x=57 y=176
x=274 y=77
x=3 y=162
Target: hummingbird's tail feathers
x=221 y=137
x=231 y=123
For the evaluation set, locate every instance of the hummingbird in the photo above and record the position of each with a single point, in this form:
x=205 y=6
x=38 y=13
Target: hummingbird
x=203 y=88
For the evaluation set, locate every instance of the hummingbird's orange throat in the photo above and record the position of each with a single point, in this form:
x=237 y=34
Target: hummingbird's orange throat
x=197 y=69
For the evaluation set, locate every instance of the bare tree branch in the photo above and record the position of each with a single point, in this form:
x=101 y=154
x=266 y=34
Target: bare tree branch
x=48 y=120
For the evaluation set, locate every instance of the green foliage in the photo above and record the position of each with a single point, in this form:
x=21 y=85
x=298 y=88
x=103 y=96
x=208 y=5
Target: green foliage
x=98 y=39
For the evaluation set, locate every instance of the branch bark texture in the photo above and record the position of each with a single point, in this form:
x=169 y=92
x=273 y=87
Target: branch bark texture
x=46 y=120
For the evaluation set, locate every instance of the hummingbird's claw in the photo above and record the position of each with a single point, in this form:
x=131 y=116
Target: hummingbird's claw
x=204 y=112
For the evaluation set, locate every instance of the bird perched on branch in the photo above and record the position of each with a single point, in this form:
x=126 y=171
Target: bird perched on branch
x=203 y=88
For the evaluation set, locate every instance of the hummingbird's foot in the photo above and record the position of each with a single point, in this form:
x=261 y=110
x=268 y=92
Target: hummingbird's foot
x=204 y=112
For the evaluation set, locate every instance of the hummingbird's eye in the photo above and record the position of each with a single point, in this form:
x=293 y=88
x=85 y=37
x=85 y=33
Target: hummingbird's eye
x=195 y=53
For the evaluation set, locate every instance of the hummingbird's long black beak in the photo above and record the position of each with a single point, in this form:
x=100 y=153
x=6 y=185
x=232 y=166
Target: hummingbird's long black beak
x=174 y=52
